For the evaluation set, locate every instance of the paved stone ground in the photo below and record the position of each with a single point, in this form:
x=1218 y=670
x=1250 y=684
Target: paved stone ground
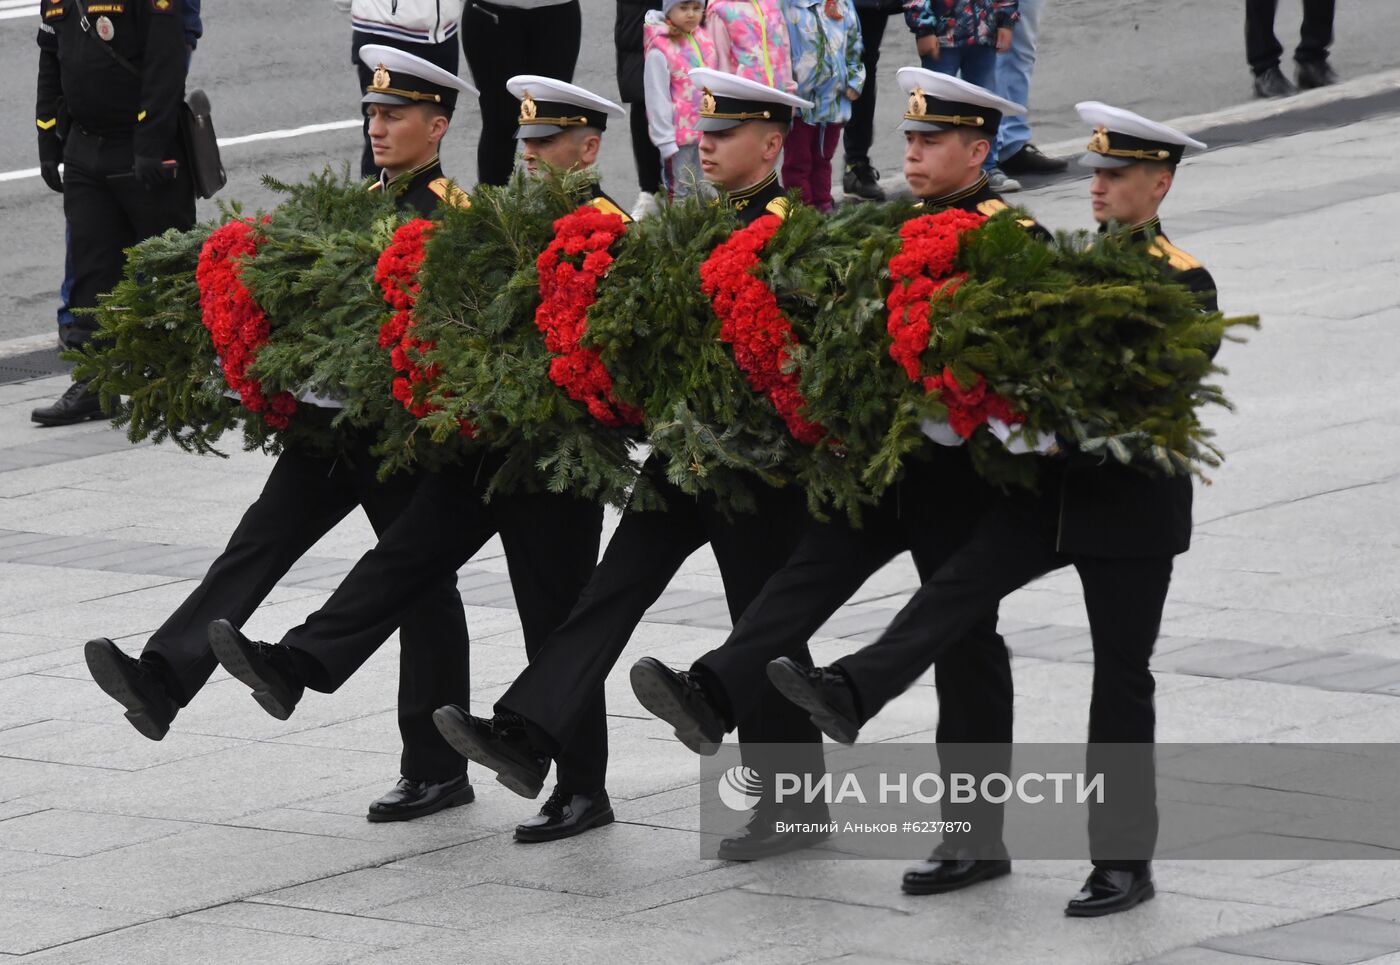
x=243 y=839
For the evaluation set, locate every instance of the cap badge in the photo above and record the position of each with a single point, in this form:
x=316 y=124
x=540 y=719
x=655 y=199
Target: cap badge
x=1098 y=144
x=528 y=110
x=381 y=78
x=708 y=104
x=917 y=104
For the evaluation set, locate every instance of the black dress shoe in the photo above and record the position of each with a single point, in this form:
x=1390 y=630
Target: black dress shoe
x=1272 y=83
x=1315 y=73
x=1032 y=160
x=762 y=839
x=950 y=870
x=679 y=698
x=1107 y=891
x=500 y=744
x=78 y=403
x=413 y=799
x=823 y=692
x=564 y=815
x=134 y=685
x=266 y=667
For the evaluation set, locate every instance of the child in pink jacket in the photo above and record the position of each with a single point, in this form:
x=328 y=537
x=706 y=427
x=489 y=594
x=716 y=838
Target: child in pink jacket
x=752 y=37
x=676 y=43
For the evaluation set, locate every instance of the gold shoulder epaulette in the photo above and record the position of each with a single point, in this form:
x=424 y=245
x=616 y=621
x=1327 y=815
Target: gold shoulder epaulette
x=778 y=206
x=1177 y=258
x=606 y=205
x=449 y=192
x=991 y=206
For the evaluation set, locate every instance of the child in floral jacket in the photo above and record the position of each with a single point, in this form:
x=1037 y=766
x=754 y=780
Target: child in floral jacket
x=752 y=38
x=962 y=36
x=827 y=67
x=675 y=44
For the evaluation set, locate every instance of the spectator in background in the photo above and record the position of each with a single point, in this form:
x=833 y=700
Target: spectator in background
x=1263 y=49
x=676 y=44
x=424 y=28
x=1014 y=150
x=508 y=37
x=627 y=37
x=963 y=38
x=827 y=69
x=861 y=179
x=752 y=37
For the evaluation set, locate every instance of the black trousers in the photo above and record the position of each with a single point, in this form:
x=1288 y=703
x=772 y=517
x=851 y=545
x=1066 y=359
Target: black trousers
x=860 y=129
x=551 y=545
x=108 y=211
x=644 y=152
x=501 y=42
x=1262 y=46
x=304 y=498
x=831 y=563
x=444 y=55
x=557 y=689
x=1013 y=544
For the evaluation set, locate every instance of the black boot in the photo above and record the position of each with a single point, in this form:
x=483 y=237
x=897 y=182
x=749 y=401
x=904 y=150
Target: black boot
x=564 y=815
x=265 y=667
x=1032 y=160
x=1272 y=83
x=78 y=403
x=1315 y=73
x=679 y=698
x=500 y=744
x=824 y=692
x=805 y=826
x=134 y=685
x=861 y=182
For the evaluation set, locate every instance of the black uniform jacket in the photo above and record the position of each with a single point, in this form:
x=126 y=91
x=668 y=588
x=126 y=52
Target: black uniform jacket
x=1118 y=512
x=83 y=85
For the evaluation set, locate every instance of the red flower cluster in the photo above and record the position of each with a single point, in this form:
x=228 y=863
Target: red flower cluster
x=752 y=323
x=397 y=275
x=568 y=289
x=236 y=324
x=970 y=408
x=922 y=272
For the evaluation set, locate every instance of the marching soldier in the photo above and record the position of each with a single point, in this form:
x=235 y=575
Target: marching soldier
x=551 y=540
x=111 y=87
x=743 y=125
x=410 y=104
x=1119 y=526
x=949 y=127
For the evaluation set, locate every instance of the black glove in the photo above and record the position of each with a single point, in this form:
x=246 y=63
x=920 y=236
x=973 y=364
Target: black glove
x=48 y=170
x=151 y=172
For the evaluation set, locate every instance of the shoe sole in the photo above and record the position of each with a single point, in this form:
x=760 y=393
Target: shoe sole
x=224 y=641
x=454 y=730
x=112 y=678
x=794 y=686
x=602 y=820
x=655 y=693
x=1147 y=894
x=939 y=889
x=454 y=800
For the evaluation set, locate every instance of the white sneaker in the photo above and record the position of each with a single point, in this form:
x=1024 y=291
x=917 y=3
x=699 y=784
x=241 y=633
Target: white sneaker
x=644 y=205
x=1000 y=183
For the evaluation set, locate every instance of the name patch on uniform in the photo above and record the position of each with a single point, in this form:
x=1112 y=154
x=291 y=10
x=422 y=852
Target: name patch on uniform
x=54 y=12
x=106 y=8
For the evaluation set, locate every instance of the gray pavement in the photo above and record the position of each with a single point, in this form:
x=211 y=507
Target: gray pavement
x=240 y=838
x=275 y=66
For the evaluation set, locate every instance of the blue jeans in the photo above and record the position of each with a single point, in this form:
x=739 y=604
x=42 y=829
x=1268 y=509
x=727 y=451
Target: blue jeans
x=1013 y=78
x=976 y=65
